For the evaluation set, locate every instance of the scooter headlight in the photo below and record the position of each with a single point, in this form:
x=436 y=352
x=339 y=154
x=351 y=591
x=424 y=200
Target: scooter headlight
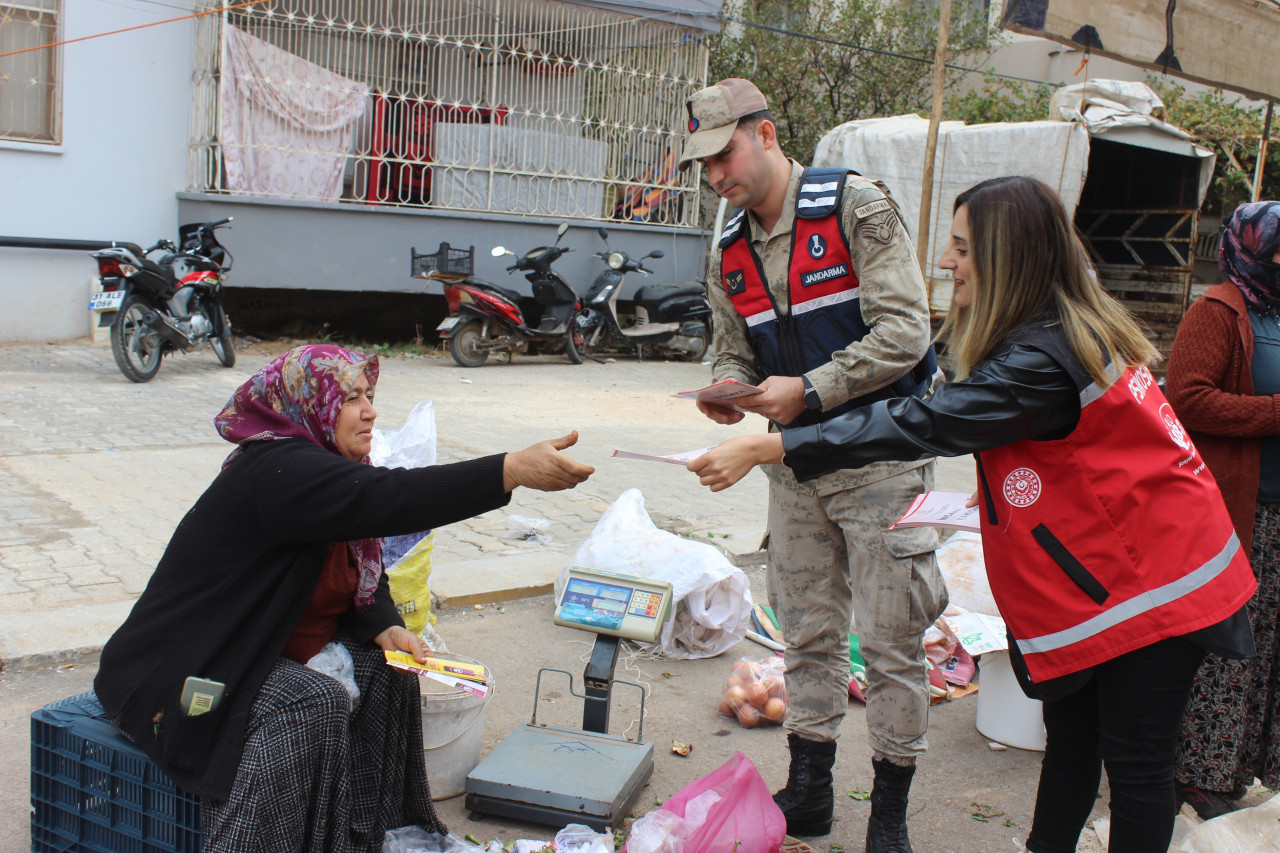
x=616 y=260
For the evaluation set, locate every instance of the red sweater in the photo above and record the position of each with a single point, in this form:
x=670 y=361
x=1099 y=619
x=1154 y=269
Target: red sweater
x=1211 y=390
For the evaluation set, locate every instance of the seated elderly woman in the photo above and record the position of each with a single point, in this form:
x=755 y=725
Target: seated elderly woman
x=277 y=558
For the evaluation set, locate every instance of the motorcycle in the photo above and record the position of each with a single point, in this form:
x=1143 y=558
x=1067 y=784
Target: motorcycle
x=485 y=318
x=156 y=307
x=673 y=318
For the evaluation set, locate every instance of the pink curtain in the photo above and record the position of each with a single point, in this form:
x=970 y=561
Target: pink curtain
x=287 y=123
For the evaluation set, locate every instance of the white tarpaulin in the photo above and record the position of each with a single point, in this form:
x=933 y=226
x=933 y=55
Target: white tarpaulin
x=1055 y=152
x=287 y=123
x=892 y=150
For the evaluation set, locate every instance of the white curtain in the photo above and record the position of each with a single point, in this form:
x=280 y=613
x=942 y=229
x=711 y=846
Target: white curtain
x=287 y=123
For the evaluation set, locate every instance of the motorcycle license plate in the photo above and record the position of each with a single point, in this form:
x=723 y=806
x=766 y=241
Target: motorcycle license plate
x=448 y=323
x=107 y=300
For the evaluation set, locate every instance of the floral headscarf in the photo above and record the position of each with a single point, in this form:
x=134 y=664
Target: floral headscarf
x=1249 y=241
x=299 y=395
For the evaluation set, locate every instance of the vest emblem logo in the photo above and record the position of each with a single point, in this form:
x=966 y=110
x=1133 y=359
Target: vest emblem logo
x=735 y=282
x=819 y=276
x=1139 y=383
x=1176 y=431
x=817 y=246
x=1022 y=487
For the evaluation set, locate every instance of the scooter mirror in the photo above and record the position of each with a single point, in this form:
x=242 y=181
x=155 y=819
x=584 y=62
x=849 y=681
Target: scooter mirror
x=656 y=253
x=604 y=233
x=499 y=251
x=564 y=226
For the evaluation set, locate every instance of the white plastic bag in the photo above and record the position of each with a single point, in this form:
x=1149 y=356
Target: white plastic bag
x=712 y=607
x=411 y=446
x=335 y=661
x=415 y=839
x=1252 y=830
x=576 y=838
x=528 y=529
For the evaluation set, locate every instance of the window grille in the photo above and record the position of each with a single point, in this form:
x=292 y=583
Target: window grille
x=30 y=91
x=505 y=106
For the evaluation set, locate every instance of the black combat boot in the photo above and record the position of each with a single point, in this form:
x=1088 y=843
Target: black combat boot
x=887 y=827
x=807 y=801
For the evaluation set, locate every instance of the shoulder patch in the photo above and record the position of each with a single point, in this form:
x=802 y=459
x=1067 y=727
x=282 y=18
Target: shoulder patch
x=871 y=208
x=882 y=230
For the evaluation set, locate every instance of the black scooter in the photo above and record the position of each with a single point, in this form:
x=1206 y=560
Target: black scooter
x=674 y=319
x=485 y=318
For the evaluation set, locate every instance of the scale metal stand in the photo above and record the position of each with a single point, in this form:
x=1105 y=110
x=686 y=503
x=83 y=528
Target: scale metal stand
x=554 y=775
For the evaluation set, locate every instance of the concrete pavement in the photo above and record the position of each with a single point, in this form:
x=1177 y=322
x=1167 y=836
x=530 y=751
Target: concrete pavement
x=95 y=473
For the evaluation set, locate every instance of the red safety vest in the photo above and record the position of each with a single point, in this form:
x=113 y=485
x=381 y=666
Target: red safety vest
x=1110 y=539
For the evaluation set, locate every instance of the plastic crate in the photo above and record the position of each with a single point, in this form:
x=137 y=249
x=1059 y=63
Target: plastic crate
x=443 y=260
x=92 y=791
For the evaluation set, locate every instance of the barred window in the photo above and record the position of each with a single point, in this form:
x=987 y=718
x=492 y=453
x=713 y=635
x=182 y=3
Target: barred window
x=30 y=90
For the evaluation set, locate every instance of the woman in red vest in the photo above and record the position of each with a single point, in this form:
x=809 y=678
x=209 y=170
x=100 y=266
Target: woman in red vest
x=1086 y=483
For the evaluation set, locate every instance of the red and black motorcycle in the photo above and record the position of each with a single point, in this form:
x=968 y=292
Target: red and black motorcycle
x=175 y=303
x=485 y=318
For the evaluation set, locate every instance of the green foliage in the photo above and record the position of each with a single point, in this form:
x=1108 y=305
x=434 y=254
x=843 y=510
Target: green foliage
x=1000 y=100
x=1233 y=131
x=820 y=64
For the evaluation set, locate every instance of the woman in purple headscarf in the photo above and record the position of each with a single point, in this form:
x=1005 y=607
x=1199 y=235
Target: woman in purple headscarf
x=1224 y=384
x=277 y=559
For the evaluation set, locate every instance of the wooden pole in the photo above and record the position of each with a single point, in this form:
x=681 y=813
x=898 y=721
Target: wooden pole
x=931 y=146
x=1262 y=155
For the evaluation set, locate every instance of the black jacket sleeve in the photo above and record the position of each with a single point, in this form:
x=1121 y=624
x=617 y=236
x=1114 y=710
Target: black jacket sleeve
x=307 y=494
x=1020 y=392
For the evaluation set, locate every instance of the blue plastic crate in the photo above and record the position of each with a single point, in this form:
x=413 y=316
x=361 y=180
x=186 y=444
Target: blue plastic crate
x=92 y=791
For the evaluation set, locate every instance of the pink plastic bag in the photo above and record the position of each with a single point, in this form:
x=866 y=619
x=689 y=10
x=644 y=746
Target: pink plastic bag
x=741 y=818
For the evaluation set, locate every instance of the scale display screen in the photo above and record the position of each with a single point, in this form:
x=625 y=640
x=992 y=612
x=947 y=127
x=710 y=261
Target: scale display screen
x=615 y=604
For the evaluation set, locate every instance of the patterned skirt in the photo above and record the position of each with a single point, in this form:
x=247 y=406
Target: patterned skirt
x=315 y=776
x=1231 y=728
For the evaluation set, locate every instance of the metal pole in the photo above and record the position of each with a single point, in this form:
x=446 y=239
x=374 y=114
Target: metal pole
x=931 y=146
x=1262 y=155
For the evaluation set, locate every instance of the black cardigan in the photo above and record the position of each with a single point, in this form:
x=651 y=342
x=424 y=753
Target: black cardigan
x=238 y=574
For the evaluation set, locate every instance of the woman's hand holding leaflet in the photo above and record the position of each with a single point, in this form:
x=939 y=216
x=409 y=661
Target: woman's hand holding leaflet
x=544 y=467
x=728 y=462
x=397 y=638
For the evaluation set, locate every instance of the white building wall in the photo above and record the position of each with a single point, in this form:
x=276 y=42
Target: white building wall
x=115 y=174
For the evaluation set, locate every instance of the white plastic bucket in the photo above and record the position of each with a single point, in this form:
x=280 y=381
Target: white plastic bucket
x=1005 y=714
x=452 y=732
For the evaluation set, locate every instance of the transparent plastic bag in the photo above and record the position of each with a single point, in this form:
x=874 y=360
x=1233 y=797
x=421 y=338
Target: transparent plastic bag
x=529 y=529
x=754 y=693
x=576 y=838
x=415 y=839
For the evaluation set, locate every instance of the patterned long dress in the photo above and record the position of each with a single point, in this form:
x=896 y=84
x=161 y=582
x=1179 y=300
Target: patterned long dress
x=1231 y=728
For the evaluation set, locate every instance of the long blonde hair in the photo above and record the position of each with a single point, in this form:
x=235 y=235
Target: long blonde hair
x=1026 y=260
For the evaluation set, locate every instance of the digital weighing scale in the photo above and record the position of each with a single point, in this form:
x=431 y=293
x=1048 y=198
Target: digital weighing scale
x=554 y=775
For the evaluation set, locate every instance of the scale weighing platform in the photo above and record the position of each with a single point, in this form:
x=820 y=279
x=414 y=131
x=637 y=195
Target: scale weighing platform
x=554 y=775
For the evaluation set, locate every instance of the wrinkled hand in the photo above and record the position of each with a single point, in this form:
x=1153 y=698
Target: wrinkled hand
x=398 y=638
x=720 y=414
x=728 y=462
x=544 y=467
x=781 y=401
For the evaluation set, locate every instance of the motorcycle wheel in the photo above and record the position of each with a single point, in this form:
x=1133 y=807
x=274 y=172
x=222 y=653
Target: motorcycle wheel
x=464 y=346
x=697 y=353
x=224 y=348
x=573 y=343
x=136 y=349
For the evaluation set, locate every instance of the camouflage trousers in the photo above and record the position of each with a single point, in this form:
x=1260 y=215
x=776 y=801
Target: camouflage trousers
x=832 y=563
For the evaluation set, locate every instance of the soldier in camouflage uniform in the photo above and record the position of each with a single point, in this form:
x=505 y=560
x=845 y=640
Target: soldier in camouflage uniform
x=831 y=559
